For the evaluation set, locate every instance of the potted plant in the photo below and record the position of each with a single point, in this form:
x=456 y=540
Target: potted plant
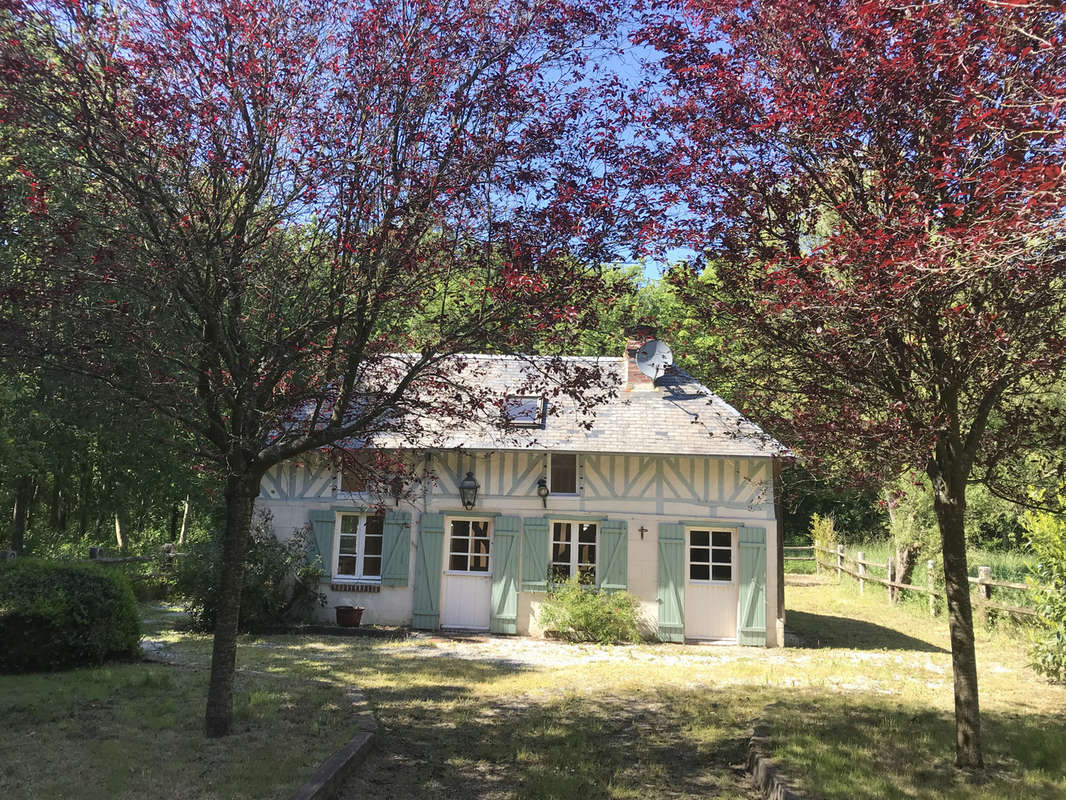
x=349 y=616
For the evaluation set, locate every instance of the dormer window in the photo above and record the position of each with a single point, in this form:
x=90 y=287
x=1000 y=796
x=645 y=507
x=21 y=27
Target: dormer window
x=524 y=411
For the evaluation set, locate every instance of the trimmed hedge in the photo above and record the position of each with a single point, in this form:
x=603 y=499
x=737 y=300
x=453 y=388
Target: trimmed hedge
x=58 y=615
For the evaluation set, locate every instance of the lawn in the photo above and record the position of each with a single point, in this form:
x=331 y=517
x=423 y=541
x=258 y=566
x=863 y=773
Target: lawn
x=863 y=711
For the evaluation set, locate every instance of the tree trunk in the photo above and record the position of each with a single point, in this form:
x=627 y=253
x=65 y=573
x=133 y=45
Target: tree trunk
x=949 y=502
x=122 y=530
x=184 y=522
x=241 y=491
x=906 y=559
x=23 y=496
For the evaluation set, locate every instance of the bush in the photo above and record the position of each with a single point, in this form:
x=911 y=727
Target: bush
x=578 y=612
x=279 y=583
x=55 y=615
x=1047 y=538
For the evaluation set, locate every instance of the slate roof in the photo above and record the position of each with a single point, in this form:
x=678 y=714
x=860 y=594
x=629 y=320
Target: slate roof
x=678 y=417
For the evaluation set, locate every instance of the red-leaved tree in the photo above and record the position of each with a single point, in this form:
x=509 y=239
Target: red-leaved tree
x=879 y=192
x=241 y=212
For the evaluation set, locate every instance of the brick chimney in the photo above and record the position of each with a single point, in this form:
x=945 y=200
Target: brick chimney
x=636 y=336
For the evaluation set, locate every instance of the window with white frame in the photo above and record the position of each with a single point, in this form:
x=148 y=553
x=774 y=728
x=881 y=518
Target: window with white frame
x=468 y=549
x=562 y=473
x=574 y=548
x=710 y=556
x=359 y=547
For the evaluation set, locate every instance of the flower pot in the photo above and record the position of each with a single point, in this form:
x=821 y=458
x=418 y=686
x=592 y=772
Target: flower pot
x=349 y=616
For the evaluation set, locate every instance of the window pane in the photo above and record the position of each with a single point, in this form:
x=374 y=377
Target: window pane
x=373 y=546
x=460 y=545
x=460 y=527
x=346 y=565
x=722 y=572
x=699 y=572
x=587 y=573
x=479 y=546
x=349 y=523
x=375 y=525
x=346 y=546
x=479 y=563
x=699 y=538
x=586 y=554
x=457 y=562
x=561 y=532
x=721 y=556
x=560 y=572
x=479 y=529
x=564 y=473
x=372 y=566
x=700 y=555
x=561 y=553
x=586 y=534
x=723 y=539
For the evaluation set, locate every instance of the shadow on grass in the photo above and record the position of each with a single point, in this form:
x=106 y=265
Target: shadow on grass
x=867 y=749
x=691 y=745
x=820 y=630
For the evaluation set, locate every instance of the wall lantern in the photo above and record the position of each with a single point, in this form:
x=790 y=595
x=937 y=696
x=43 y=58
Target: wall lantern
x=468 y=491
x=542 y=490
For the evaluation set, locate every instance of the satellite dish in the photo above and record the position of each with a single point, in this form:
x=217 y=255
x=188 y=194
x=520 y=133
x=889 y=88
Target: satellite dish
x=653 y=358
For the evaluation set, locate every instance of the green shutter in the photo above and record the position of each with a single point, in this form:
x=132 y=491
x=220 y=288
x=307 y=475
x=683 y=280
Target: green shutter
x=428 y=560
x=534 y=554
x=751 y=606
x=614 y=555
x=321 y=551
x=396 y=546
x=671 y=582
x=504 y=617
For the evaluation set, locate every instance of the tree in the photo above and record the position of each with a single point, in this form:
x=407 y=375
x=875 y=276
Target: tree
x=880 y=187
x=267 y=191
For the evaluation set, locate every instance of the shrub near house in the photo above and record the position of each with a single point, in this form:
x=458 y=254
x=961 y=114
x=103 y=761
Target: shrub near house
x=54 y=616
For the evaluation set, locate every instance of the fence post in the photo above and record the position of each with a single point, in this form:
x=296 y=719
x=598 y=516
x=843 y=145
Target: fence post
x=984 y=591
x=929 y=583
x=891 y=566
x=840 y=560
x=862 y=569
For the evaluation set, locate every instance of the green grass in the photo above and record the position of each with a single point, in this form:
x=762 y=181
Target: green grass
x=863 y=711
x=891 y=732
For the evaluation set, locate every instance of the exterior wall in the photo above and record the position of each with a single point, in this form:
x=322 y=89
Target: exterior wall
x=642 y=490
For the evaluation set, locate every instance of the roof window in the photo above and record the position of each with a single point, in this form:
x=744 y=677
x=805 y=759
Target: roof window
x=524 y=411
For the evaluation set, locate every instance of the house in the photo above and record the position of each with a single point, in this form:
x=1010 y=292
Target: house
x=669 y=493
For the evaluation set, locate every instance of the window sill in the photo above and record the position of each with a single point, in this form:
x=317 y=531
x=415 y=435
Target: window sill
x=468 y=574
x=712 y=583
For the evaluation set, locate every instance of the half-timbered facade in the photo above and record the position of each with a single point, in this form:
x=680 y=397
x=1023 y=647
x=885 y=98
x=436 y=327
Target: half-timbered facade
x=669 y=494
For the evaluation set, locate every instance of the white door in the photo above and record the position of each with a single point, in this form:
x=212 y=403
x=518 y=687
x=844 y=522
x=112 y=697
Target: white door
x=467 y=583
x=711 y=586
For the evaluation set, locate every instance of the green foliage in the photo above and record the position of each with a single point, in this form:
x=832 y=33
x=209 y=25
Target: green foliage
x=55 y=615
x=279 y=583
x=823 y=532
x=990 y=523
x=1047 y=538
x=578 y=612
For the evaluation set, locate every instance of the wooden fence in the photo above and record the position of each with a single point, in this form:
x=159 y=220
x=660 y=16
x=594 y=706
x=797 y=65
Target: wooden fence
x=840 y=563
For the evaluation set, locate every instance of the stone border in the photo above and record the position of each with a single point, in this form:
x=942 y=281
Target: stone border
x=764 y=770
x=325 y=782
